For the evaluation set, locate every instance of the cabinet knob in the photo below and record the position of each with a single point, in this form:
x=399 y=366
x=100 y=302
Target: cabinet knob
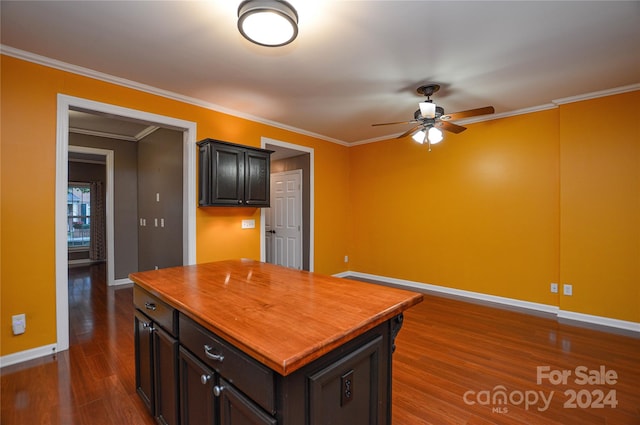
x=212 y=356
x=217 y=390
x=205 y=379
x=239 y=201
x=148 y=326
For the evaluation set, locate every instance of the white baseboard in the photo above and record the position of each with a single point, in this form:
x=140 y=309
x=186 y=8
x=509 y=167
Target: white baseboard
x=118 y=282
x=600 y=321
x=23 y=356
x=510 y=302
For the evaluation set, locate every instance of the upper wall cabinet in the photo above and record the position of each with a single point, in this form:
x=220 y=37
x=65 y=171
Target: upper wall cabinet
x=233 y=175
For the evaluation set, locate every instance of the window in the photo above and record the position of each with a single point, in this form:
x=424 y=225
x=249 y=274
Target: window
x=78 y=215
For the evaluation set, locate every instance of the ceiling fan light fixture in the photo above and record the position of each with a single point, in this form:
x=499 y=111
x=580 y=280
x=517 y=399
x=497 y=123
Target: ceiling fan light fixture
x=428 y=109
x=419 y=136
x=270 y=23
x=435 y=135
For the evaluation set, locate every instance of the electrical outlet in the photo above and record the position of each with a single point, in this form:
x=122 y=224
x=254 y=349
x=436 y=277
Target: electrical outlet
x=19 y=323
x=346 y=388
x=248 y=224
x=554 y=288
x=567 y=289
x=346 y=258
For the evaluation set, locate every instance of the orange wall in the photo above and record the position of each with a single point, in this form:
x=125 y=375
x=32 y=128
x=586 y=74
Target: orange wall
x=478 y=213
x=510 y=206
x=504 y=208
x=600 y=206
x=28 y=135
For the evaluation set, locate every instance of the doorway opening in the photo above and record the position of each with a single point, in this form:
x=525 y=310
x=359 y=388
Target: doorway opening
x=65 y=104
x=90 y=207
x=288 y=157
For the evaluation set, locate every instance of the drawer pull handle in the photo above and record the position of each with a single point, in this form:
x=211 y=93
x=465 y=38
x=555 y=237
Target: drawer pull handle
x=217 y=390
x=212 y=356
x=205 y=379
x=150 y=306
x=148 y=326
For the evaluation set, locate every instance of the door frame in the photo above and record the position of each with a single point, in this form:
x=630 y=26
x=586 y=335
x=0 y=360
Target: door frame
x=109 y=208
x=188 y=128
x=303 y=149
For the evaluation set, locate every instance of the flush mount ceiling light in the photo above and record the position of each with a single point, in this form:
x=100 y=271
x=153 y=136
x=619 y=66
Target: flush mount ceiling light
x=270 y=23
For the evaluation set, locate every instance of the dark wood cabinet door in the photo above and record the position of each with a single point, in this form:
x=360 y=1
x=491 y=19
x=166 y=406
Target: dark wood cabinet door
x=143 y=341
x=166 y=377
x=197 y=401
x=236 y=409
x=204 y=174
x=233 y=175
x=228 y=171
x=257 y=178
x=352 y=389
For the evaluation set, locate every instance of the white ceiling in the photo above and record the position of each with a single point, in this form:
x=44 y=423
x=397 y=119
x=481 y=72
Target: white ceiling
x=353 y=64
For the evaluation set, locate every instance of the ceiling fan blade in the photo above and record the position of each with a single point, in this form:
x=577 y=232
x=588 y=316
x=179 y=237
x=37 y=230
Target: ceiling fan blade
x=451 y=127
x=470 y=113
x=408 y=132
x=427 y=109
x=393 y=123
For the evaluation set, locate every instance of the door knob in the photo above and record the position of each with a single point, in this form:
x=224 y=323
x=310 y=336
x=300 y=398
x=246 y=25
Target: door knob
x=271 y=231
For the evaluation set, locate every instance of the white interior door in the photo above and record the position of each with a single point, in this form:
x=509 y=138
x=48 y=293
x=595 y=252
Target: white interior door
x=283 y=221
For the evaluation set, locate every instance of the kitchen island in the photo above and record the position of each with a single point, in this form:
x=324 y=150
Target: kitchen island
x=244 y=342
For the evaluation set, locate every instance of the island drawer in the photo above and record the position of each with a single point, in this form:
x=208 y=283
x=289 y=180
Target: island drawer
x=245 y=373
x=157 y=310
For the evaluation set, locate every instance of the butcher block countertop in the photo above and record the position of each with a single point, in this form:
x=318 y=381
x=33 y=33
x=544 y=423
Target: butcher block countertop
x=282 y=317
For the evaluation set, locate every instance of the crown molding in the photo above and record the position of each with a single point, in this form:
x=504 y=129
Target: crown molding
x=554 y=104
x=597 y=94
x=102 y=134
x=147 y=131
x=86 y=72
x=507 y=114
x=97 y=75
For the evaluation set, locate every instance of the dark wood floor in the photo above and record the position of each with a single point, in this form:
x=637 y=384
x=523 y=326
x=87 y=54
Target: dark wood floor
x=453 y=362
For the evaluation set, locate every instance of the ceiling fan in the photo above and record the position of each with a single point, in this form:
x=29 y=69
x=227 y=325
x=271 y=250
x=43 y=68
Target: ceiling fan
x=430 y=118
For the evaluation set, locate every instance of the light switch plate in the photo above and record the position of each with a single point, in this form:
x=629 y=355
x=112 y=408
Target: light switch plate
x=248 y=224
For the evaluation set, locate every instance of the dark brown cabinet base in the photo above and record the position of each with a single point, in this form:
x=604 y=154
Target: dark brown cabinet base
x=156 y=353
x=348 y=391
x=192 y=376
x=197 y=401
x=348 y=386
